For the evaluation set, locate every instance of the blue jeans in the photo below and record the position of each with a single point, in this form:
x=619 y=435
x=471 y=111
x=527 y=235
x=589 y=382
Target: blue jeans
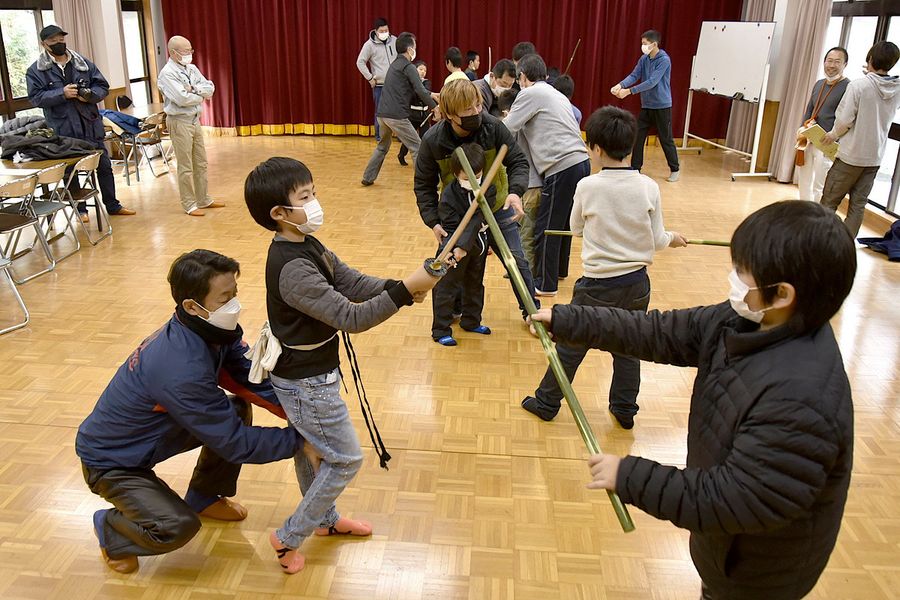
x=376 y=95
x=551 y=252
x=510 y=230
x=315 y=408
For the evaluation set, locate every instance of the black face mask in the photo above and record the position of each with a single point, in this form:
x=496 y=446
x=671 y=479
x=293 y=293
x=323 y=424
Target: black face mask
x=471 y=122
x=58 y=49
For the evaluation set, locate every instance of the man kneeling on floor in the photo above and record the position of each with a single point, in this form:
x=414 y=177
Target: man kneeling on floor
x=166 y=399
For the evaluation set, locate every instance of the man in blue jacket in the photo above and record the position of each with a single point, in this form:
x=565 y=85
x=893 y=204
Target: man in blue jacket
x=654 y=71
x=68 y=87
x=166 y=399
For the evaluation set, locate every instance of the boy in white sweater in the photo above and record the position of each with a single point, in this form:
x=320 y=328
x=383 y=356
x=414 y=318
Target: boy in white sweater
x=618 y=213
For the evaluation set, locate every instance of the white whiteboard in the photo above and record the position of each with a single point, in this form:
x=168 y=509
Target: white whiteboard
x=731 y=58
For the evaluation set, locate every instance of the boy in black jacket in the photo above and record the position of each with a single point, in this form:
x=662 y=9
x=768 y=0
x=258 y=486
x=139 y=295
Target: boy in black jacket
x=466 y=280
x=770 y=431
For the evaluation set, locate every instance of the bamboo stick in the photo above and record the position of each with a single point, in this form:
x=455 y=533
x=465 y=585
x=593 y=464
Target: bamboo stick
x=584 y=428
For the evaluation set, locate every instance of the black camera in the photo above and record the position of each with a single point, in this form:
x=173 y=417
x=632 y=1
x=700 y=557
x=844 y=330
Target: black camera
x=84 y=90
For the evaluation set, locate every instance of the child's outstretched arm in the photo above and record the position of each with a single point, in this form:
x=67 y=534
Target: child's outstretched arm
x=304 y=287
x=671 y=337
x=355 y=285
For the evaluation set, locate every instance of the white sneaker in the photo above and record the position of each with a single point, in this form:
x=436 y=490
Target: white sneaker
x=674 y=176
x=538 y=292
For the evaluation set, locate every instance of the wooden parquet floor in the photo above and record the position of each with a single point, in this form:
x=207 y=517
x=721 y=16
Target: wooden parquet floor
x=482 y=501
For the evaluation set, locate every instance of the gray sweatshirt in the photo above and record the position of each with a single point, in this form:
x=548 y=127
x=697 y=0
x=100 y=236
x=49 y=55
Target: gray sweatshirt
x=375 y=57
x=543 y=116
x=863 y=118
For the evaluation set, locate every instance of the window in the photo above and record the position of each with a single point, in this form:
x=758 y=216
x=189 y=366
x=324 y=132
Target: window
x=20 y=44
x=20 y=22
x=861 y=38
x=136 y=52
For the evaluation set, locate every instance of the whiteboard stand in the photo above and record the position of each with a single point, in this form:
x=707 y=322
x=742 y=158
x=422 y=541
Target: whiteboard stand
x=753 y=155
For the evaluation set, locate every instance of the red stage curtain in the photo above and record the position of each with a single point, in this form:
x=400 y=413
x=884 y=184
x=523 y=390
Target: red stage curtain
x=286 y=63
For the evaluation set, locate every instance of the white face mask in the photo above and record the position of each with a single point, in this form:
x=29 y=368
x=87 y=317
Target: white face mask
x=226 y=316
x=186 y=59
x=837 y=77
x=497 y=90
x=466 y=184
x=384 y=36
x=737 y=297
x=412 y=54
x=315 y=216
x=646 y=48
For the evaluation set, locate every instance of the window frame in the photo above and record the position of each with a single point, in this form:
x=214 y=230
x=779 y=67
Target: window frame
x=137 y=6
x=10 y=105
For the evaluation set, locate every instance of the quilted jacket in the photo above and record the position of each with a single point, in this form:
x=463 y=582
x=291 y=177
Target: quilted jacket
x=770 y=442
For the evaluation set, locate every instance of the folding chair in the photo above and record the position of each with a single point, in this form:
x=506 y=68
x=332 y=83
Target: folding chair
x=120 y=140
x=45 y=209
x=151 y=136
x=87 y=166
x=4 y=266
x=17 y=217
x=48 y=205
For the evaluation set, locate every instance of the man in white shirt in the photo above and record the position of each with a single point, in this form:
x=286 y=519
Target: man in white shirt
x=184 y=89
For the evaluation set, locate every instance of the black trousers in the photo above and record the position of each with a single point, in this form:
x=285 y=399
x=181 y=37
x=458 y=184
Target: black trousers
x=551 y=252
x=148 y=517
x=661 y=120
x=465 y=283
x=632 y=292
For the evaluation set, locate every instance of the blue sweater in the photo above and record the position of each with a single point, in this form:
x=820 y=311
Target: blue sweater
x=654 y=75
x=166 y=397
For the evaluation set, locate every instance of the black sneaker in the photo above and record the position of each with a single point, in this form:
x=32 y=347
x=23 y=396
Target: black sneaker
x=367 y=183
x=531 y=404
x=402 y=160
x=626 y=421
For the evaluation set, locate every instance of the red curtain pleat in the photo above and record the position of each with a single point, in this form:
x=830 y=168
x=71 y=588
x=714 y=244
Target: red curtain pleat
x=277 y=62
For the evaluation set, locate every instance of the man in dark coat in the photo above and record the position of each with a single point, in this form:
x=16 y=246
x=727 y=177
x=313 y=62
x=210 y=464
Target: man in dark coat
x=68 y=87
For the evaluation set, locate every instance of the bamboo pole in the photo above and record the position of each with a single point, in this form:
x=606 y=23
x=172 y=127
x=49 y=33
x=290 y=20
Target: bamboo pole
x=488 y=180
x=584 y=428
x=695 y=242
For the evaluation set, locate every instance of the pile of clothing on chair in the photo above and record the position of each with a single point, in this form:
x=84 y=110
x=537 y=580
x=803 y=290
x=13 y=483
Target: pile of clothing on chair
x=28 y=138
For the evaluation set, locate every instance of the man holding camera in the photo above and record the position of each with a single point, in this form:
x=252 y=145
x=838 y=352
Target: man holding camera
x=68 y=87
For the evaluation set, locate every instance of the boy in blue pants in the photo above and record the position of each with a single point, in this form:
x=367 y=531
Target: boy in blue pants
x=311 y=296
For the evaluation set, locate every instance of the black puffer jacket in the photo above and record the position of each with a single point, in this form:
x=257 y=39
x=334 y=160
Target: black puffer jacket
x=38 y=147
x=770 y=443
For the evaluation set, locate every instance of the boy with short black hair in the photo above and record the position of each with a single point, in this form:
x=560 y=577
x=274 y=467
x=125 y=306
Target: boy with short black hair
x=565 y=85
x=311 y=296
x=770 y=431
x=618 y=213
x=466 y=280
x=453 y=60
x=473 y=62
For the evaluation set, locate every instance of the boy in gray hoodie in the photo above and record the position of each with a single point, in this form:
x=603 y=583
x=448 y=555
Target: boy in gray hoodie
x=862 y=121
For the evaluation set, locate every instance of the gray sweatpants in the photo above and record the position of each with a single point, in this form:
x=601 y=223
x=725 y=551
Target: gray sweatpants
x=857 y=181
x=405 y=132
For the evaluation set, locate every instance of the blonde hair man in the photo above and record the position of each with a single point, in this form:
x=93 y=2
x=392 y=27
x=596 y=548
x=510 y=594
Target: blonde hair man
x=464 y=122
